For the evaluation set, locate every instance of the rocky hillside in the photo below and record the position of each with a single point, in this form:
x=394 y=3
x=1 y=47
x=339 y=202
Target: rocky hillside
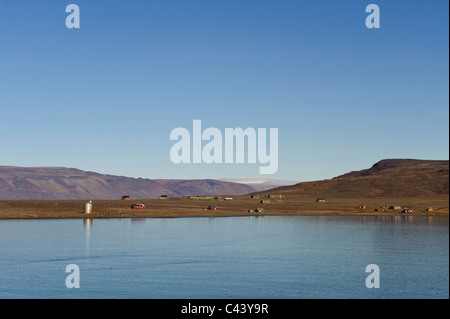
x=387 y=178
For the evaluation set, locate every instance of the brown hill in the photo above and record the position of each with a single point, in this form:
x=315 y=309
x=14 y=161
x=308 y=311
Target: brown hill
x=71 y=183
x=411 y=165
x=387 y=178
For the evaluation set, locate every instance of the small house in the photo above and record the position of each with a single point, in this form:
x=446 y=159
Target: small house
x=212 y=207
x=274 y=196
x=254 y=196
x=125 y=197
x=163 y=197
x=320 y=200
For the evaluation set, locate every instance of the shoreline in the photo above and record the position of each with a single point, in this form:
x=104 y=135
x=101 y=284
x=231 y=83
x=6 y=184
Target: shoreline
x=88 y=217
x=239 y=206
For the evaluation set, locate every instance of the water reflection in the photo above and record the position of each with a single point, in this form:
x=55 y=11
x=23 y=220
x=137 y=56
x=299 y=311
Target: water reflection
x=138 y=220
x=87 y=223
x=405 y=220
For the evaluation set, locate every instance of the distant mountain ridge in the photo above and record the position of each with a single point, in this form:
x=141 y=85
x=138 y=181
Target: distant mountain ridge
x=386 y=178
x=261 y=184
x=71 y=183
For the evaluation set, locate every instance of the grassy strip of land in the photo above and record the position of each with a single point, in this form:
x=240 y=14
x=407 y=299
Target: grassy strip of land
x=238 y=206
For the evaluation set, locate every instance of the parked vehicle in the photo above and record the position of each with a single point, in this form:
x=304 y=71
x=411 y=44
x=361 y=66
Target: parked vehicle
x=407 y=211
x=138 y=206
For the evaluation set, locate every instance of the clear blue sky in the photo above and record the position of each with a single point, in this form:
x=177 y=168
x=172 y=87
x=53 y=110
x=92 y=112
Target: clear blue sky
x=105 y=97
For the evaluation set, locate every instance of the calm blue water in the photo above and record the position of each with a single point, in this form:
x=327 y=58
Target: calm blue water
x=241 y=257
